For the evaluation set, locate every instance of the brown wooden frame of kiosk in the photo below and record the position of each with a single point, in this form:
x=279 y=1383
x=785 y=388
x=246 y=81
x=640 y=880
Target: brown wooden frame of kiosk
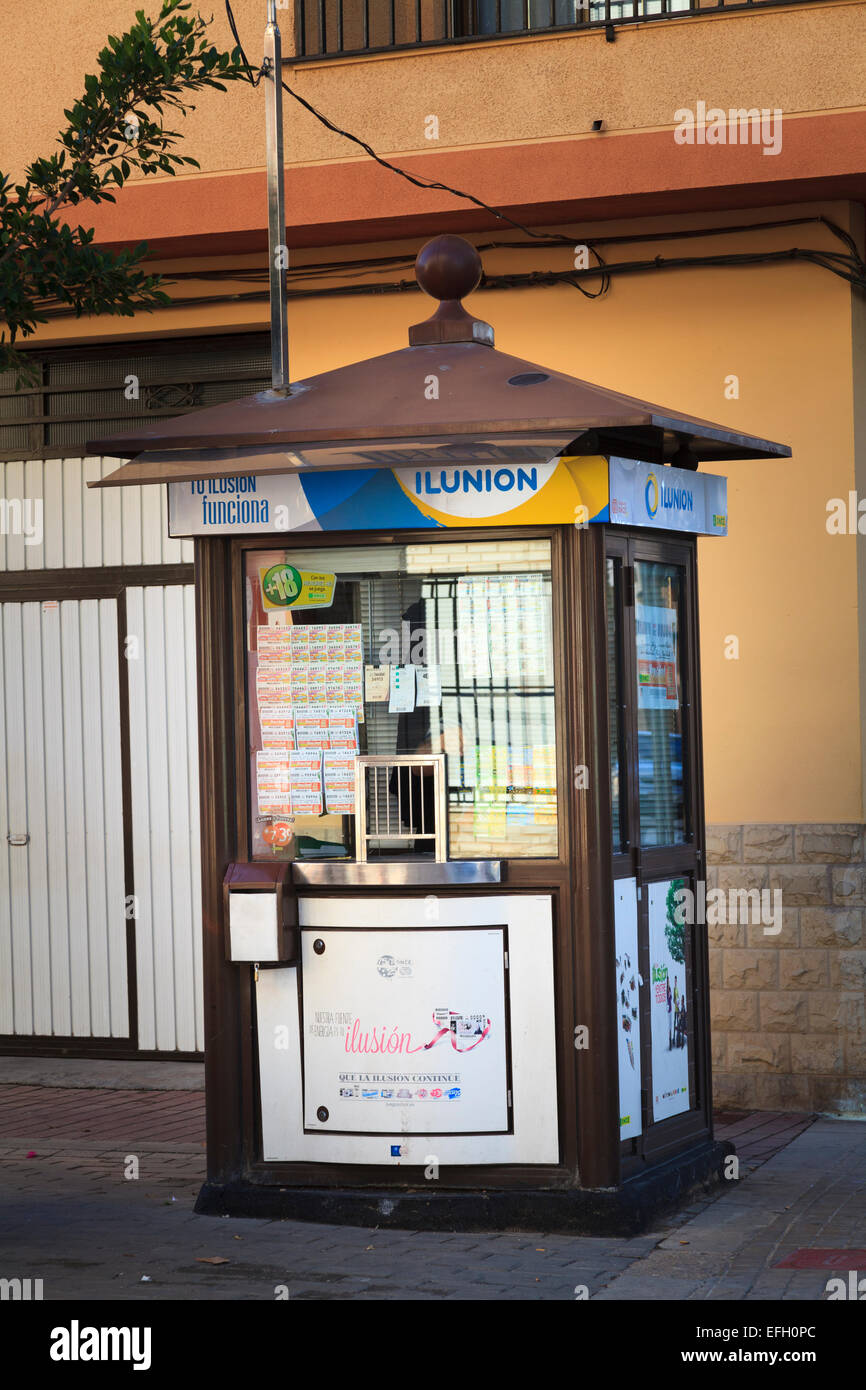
x=600 y=1184
x=580 y=881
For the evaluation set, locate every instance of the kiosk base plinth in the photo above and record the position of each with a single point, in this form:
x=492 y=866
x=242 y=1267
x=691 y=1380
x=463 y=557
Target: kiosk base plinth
x=624 y=1211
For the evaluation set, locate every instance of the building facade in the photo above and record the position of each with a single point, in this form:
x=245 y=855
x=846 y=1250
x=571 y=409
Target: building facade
x=653 y=252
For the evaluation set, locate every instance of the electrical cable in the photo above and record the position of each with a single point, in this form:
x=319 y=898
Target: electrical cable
x=420 y=181
x=850 y=267
x=315 y=270
x=508 y=281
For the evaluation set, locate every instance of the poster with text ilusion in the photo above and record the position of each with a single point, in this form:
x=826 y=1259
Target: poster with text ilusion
x=627 y=1016
x=669 y=1011
x=404 y=1031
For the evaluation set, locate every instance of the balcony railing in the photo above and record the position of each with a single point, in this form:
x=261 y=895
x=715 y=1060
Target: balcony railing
x=333 y=28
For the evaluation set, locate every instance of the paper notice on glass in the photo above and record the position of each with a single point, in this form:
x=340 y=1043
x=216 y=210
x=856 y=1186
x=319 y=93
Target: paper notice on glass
x=656 y=633
x=339 y=776
x=473 y=636
x=274 y=643
x=428 y=686
x=317 y=686
x=402 y=690
x=377 y=683
x=343 y=727
x=497 y=589
x=277 y=723
x=273 y=784
x=300 y=686
x=353 y=638
x=273 y=684
x=319 y=646
x=311 y=728
x=502 y=665
x=526 y=584
x=300 y=643
x=335 y=682
x=473 y=652
x=480 y=640
x=336 y=645
x=305 y=760
x=305 y=779
x=353 y=688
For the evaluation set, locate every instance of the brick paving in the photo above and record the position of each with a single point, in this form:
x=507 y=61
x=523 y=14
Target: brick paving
x=43 y=1112
x=811 y=1194
x=72 y=1216
x=759 y=1134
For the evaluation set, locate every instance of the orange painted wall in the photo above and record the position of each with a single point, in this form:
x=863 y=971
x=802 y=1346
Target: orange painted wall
x=782 y=723
x=807 y=58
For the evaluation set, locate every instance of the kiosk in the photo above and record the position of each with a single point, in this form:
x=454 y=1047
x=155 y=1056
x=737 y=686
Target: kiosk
x=451 y=787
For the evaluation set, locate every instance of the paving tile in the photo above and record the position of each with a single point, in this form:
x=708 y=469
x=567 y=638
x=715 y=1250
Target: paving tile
x=806 y=1189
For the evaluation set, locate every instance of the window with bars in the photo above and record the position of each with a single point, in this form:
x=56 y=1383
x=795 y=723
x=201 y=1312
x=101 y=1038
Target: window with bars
x=330 y=28
x=86 y=392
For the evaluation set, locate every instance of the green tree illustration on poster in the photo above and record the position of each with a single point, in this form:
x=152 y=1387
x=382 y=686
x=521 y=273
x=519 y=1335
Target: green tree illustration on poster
x=675 y=932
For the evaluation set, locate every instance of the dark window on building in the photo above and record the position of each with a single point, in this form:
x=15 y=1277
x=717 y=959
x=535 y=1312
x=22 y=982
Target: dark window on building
x=329 y=28
x=355 y=26
x=85 y=392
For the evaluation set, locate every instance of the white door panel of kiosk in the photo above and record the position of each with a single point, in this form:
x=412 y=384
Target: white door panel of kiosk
x=405 y=1030
x=462 y=991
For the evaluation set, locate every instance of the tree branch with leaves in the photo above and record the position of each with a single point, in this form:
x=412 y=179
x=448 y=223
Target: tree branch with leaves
x=116 y=128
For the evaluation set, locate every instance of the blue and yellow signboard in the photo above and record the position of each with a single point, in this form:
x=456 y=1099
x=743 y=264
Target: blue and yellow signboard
x=562 y=491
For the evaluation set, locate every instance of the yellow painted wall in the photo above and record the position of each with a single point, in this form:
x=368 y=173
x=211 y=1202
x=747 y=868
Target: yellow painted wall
x=804 y=59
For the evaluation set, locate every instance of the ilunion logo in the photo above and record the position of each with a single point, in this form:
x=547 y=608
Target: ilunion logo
x=652 y=494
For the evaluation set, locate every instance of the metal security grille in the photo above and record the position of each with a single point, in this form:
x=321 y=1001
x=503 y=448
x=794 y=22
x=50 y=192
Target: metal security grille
x=88 y=392
x=329 y=28
x=410 y=826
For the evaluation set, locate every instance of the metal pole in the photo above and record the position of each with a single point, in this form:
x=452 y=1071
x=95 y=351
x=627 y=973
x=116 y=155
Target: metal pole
x=278 y=252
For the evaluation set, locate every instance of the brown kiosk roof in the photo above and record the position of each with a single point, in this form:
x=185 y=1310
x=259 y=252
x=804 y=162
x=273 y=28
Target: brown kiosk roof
x=376 y=413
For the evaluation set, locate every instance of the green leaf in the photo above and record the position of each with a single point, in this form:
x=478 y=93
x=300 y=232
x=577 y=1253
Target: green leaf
x=153 y=66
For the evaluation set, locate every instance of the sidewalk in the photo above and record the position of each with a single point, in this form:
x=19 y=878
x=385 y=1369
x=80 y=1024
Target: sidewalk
x=71 y=1215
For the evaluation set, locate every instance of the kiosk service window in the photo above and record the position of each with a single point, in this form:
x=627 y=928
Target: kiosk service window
x=410 y=683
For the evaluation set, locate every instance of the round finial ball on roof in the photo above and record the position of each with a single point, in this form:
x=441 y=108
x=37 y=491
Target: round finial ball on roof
x=448 y=267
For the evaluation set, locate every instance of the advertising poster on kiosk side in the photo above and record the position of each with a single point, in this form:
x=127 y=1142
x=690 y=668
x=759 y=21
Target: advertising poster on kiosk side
x=668 y=1005
x=628 y=983
x=404 y=1032
x=656 y=633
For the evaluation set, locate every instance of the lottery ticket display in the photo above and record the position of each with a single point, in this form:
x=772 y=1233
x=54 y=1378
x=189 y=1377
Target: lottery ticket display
x=305 y=782
x=309 y=687
x=277 y=723
x=319 y=664
x=272 y=784
x=339 y=777
x=284 y=727
x=502 y=617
